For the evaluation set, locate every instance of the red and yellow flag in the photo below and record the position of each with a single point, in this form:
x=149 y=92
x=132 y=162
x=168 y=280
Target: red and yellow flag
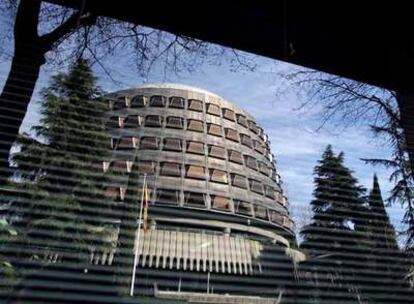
x=145 y=211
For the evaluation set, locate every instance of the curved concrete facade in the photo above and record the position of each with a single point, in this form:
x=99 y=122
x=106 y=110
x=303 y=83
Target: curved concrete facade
x=216 y=199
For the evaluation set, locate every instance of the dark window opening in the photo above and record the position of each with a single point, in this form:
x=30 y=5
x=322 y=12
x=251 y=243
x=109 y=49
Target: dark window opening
x=175 y=122
x=194 y=199
x=176 y=102
x=250 y=162
x=256 y=186
x=213 y=109
x=195 y=125
x=138 y=101
x=242 y=207
x=246 y=140
x=153 y=121
x=133 y=121
x=165 y=196
x=217 y=152
x=242 y=120
x=232 y=134
x=146 y=167
x=239 y=181
x=235 y=156
x=221 y=203
x=260 y=212
x=157 y=101
x=172 y=144
x=127 y=143
x=218 y=176
x=195 y=147
x=195 y=105
x=214 y=129
x=195 y=172
x=150 y=143
x=229 y=114
x=170 y=169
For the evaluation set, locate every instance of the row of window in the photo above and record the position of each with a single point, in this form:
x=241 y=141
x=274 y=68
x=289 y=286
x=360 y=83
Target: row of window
x=176 y=122
x=221 y=203
x=140 y=101
x=193 y=147
x=174 y=169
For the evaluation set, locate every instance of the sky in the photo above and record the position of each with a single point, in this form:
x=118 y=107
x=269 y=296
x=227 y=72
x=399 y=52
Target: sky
x=273 y=101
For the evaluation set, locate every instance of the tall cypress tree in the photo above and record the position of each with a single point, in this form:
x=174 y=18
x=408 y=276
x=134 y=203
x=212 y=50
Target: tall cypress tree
x=63 y=209
x=334 y=240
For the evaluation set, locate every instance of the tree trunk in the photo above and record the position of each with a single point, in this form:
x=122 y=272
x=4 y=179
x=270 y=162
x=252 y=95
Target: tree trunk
x=14 y=99
x=28 y=57
x=405 y=101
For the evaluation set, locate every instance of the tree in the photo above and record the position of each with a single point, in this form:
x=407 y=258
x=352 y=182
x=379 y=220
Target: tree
x=72 y=34
x=61 y=203
x=346 y=102
x=386 y=264
x=335 y=239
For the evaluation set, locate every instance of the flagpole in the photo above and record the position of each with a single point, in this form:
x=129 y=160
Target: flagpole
x=137 y=235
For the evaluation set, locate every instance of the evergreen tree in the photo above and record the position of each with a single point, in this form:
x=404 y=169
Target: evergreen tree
x=63 y=209
x=335 y=240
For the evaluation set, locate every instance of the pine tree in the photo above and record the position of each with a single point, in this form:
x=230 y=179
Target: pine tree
x=387 y=264
x=63 y=209
x=335 y=238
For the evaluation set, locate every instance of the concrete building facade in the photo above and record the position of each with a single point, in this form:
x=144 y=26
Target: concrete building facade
x=219 y=226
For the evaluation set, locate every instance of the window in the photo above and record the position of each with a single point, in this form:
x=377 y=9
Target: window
x=175 y=122
x=115 y=122
x=150 y=143
x=172 y=144
x=259 y=147
x=166 y=196
x=196 y=172
x=232 y=134
x=238 y=181
x=195 y=147
x=176 y=102
x=260 y=212
x=153 y=121
x=263 y=168
x=170 y=169
x=242 y=207
x=269 y=192
x=246 y=140
x=242 y=120
x=220 y=203
x=250 y=162
x=138 y=101
x=133 y=121
x=194 y=199
x=119 y=103
x=235 y=156
x=214 y=129
x=195 y=105
x=195 y=125
x=115 y=193
x=218 y=176
x=121 y=166
x=157 y=101
x=127 y=143
x=276 y=217
x=256 y=186
x=213 y=109
x=253 y=127
x=146 y=167
x=217 y=152
x=229 y=114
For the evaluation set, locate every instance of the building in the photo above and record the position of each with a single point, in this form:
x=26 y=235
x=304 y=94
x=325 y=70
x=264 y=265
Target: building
x=219 y=227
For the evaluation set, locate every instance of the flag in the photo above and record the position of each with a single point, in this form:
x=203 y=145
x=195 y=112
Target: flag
x=145 y=211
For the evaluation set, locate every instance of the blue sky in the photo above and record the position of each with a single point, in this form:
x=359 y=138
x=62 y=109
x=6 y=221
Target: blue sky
x=295 y=142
